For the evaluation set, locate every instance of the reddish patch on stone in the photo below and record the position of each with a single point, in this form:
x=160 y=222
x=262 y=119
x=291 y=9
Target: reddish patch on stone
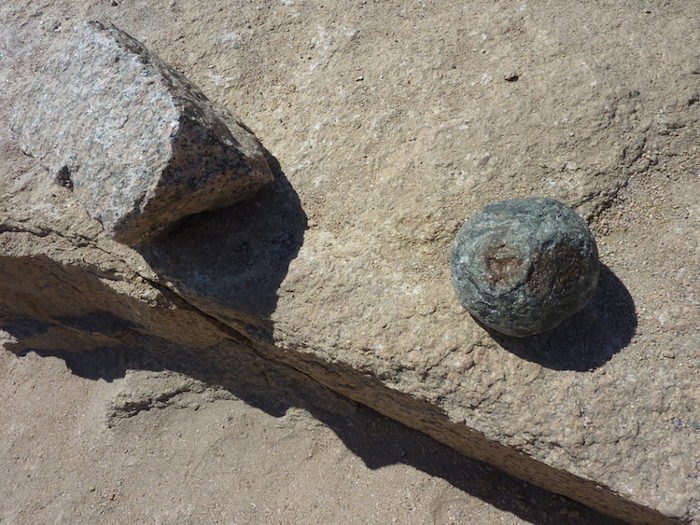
x=502 y=268
x=556 y=270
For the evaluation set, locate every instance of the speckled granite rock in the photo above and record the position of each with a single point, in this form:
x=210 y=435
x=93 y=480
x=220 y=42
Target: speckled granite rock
x=139 y=145
x=522 y=266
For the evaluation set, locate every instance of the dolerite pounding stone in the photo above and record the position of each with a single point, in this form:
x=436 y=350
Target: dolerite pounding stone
x=141 y=146
x=522 y=266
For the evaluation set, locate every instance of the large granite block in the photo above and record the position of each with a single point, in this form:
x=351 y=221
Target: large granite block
x=140 y=146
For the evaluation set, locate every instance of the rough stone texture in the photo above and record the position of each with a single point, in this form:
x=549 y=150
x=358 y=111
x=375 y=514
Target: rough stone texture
x=522 y=266
x=357 y=291
x=139 y=145
x=268 y=446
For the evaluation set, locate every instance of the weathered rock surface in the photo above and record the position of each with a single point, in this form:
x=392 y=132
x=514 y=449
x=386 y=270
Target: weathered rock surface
x=522 y=266
x=603 y=408
x=139 y=145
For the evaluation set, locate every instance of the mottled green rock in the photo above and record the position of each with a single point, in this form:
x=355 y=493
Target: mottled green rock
x=522 y=266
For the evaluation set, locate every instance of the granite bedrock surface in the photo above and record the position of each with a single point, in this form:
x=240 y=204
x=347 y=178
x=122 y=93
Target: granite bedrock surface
x=582 y=410
x=355 y=291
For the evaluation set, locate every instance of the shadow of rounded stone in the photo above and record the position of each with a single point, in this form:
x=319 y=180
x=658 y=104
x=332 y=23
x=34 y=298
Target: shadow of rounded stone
x=588 y=339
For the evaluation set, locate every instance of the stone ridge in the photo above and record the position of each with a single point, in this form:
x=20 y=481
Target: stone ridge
x=140 y=146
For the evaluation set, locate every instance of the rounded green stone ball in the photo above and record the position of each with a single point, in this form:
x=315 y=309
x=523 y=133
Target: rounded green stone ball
x=522 y=266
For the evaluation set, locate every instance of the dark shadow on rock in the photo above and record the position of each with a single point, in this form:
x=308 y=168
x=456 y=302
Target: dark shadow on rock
x=24 y=326
x=231 y=261
x=377 y=440
x=588 y=339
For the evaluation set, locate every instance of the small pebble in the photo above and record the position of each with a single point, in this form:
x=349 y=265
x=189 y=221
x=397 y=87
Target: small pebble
x=522 y=266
